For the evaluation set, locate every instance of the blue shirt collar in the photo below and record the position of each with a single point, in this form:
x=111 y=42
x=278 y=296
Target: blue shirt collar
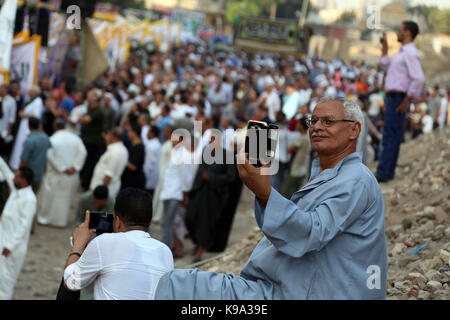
x=328 y=174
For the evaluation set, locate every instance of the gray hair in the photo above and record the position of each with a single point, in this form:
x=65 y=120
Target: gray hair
x=36 y=90
x=352 y=111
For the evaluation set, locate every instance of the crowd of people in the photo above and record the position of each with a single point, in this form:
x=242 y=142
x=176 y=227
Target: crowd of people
x=120 y=132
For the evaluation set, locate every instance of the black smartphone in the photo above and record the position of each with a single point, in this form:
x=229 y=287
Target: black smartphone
x=263 y=137
x=101 y=221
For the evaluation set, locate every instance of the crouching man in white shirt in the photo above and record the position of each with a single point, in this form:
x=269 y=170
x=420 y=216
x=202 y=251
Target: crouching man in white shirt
x=126 y=264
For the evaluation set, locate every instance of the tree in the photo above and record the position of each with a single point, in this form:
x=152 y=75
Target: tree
x=438 y=20
x=347 y=17
x=237 y=9
x=286 y=9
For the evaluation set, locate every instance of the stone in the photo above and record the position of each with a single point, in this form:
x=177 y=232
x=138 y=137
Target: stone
x=436 y=187
x=428 y=226
x=429 y=264
x=403 y=262
x=447 y=232
x=406 y=223
x=444 y=255
x=440 y=214
x=435 y=285
x=416 y=275
x=416 y=237
x=397 y=249
x=403 y=286
x=413 y=293
x=408 y=243
x=440 y=295
x=436 y=236
x=397 y=229
x=393 y=292
x=423 y=295
x=433 y=275
x=428 y=209
x=394 y=202
x=446 y=247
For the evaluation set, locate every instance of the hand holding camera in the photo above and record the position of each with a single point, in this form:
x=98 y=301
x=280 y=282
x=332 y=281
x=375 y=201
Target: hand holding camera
x=83 y=234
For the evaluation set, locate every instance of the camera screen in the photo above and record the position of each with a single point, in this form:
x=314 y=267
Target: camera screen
x=260 y=142
x=102 y=222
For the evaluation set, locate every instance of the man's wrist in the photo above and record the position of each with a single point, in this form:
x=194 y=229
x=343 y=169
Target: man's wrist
x=264 y=196
x=78 y=248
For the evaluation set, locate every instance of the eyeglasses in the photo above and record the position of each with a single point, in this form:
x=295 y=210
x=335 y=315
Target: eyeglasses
x=326 y=121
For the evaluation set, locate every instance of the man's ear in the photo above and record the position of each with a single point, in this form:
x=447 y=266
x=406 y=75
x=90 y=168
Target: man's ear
x=355 y=131
x=118 y=222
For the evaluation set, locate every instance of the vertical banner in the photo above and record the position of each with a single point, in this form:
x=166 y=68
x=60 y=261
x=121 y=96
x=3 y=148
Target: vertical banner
x=95 y=61
x=24 y=62
x=7 y=20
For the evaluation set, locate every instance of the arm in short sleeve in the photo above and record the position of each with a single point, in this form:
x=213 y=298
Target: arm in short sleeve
x=27 y=150
x=82 y=273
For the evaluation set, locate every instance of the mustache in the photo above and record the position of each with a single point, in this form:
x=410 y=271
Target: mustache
x=318 y=134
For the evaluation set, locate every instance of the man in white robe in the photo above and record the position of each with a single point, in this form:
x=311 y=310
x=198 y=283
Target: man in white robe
x=65 y=159
x=34 y=108
x=152 y=155
x=164 y=160
x=111 y=164
x=15 y=226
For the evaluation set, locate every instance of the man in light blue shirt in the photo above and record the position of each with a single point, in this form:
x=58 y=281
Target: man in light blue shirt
x=326 y=242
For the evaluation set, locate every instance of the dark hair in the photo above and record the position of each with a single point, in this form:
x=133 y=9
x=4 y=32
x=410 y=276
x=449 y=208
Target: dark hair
x=302 y=122
x=27 y=173
x=412 y=27
x=134 y=207
x=68 y=88
x=33 y=123
x=59 y=123
x=155 y=130
x=167 y=109
x=101 y=192
x=132 y=117
x=136 y=128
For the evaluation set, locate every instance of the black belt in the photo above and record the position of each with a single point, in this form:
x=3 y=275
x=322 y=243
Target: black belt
x=395 y=93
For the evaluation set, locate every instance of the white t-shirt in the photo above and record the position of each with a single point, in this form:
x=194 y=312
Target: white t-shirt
x=124 y=266
x=427 y=122
x=374 y=108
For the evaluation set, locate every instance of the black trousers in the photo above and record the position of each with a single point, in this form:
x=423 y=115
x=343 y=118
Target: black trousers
x=94 y=152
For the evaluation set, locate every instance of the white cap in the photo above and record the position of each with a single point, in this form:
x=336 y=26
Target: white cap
x=268 y=81
x=134 y=88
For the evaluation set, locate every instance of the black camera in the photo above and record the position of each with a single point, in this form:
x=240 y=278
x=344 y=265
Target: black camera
x=101 y=221
x=260 y=142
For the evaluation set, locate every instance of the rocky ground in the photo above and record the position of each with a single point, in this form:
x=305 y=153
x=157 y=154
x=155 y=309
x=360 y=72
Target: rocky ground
x=417 y=206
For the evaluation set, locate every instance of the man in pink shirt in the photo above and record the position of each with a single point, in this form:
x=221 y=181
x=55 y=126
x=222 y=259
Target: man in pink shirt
x=403 y=82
